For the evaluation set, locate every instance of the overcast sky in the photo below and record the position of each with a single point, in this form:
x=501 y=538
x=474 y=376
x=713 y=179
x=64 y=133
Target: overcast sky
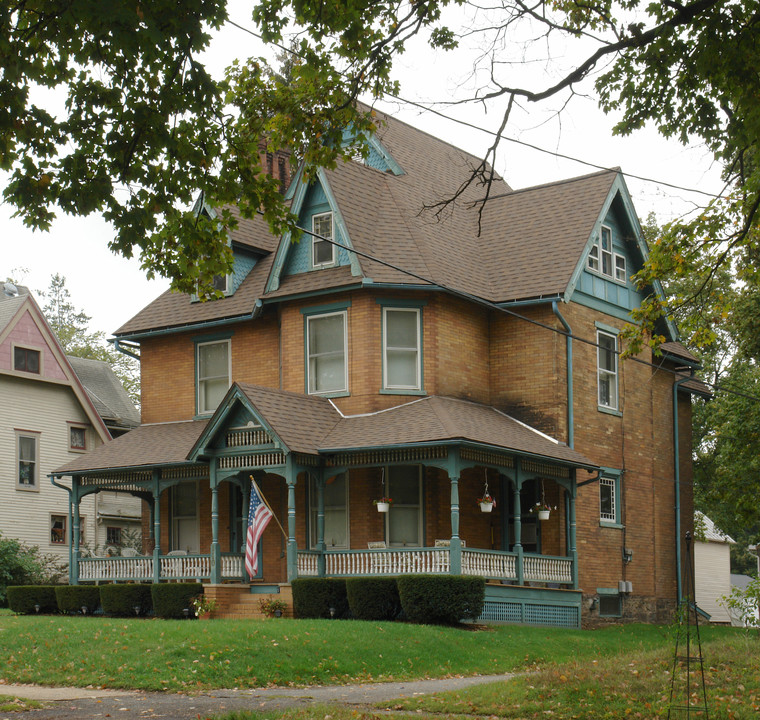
x=111 y=289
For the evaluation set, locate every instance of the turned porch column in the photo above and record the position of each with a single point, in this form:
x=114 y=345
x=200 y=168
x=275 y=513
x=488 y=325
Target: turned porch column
x=517 y=518
x=156 y=527
x=292 y=551
x=216 y=553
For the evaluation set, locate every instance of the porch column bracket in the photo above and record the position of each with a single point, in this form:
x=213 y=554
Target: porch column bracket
x=156 y=527
x=291 y=477
x=216 y=553
x=516 y=491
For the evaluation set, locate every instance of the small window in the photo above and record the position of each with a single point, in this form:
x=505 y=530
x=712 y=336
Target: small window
x=401 y=340
x=113 y=536
x=77 y=438
x=606 y=251
x=27 y=461
x=610 y=606
x=326 y=351
x=607 y=370
x=322 y=251
x=58 y=529
x=608 y=503
x=26 y=360
x=220 y=283
x=621 y=275
x=213 y=374
x=593 y=257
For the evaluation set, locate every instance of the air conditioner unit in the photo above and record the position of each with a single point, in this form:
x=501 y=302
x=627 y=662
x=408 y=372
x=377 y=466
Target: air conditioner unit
x=625 y=586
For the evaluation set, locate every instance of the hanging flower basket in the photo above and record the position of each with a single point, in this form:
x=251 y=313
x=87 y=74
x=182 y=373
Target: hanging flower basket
x=544 y=514
x=383 y=504
x=542 y=510
x=487 y=503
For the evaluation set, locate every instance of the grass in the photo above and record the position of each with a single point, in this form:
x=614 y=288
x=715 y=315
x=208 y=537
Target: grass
x=9 y=704
x=185 y=655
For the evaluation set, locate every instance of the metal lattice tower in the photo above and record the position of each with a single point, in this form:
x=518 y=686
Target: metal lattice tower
x=688 y=695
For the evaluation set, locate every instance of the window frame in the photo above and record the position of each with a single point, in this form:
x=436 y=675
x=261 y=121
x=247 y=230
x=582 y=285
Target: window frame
x=200 y=407
x=598 y=256
x=317 y=316
x=611 y=479
x=316 y=241
x=605 y=372
x=26 y=349
x=314 y=514
x=610 y=596
x=34 y=485
x=111 y=529
x=65 y=536
x=396 y=505
x=417 y=387
x=72 y=446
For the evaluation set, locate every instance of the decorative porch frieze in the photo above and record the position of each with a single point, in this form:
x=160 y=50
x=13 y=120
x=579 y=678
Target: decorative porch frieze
x=185 y=472
x=486 y=457
x=545 y=469
x=391 y=455
x=122 y=481
x=253 y=460
x=247 y=437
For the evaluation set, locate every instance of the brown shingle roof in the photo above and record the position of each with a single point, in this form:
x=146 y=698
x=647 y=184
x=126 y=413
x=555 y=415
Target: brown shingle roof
x=145 y=446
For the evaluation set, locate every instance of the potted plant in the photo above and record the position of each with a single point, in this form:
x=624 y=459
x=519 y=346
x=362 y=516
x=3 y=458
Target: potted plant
x=543 y=510
x=383 y=504
x=272 y=607
x=487 y=503
x=203 y=607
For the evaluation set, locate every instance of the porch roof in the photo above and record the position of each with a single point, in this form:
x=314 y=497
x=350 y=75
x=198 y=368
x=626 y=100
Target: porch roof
x=149 y=445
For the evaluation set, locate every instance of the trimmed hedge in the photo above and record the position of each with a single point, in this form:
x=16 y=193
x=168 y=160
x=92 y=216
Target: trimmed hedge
x=170 y=599
x=313 y=597
x=373 y=598
x=23 y=598
x=121 y=600
x=72 y=598
x=441 y=599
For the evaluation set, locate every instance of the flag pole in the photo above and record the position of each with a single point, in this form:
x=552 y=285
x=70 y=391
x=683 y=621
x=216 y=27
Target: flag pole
x=264 y=500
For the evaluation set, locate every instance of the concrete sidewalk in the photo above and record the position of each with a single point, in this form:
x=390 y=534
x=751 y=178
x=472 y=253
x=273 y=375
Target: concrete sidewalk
x=86 y=703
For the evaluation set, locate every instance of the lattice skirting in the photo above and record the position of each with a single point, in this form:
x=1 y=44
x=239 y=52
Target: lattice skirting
x=529 y=613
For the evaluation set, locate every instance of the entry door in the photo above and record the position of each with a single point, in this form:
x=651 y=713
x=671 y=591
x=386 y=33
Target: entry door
x=185 y=528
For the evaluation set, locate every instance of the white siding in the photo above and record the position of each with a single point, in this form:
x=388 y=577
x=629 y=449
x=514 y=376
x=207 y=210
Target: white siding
x=712 y=575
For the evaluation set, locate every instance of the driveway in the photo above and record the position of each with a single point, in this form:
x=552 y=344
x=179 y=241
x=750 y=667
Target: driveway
x=84 y=703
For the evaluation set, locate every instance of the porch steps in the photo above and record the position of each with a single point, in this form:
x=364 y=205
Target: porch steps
x=241 y=602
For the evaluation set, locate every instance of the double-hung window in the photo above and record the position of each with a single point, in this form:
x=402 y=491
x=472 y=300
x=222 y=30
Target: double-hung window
x=26 y=455
x=58 y=529
x=607 y=370
x=404 y=486
x=402 y=341
x=213 y=371
x=335 y=494
x=327 y=353
x=604 y=260
x=322 y=251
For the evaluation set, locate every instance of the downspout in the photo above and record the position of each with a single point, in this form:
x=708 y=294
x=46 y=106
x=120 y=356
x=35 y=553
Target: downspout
x=677 y=479
x=123 y=349
x=71 y=534
x=569 y=355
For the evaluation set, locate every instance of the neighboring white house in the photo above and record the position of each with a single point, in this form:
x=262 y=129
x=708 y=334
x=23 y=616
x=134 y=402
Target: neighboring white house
x=712 y=567
x=49 y=417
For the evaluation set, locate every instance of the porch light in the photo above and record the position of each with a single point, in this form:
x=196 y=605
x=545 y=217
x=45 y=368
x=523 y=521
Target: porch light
x=186 y=612
x=136 y=608
x=332 y=613
x=84 y=609
x=36 y=607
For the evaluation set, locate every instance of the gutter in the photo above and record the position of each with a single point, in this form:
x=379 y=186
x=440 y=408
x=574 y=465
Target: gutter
x=129 y=351
x=677 y=479
x=569 y=355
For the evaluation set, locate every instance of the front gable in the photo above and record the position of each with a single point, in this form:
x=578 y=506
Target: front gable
x=319 y=215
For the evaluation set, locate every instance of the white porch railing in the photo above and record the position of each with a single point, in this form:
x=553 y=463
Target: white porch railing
x=491 y=564
x=172 y=567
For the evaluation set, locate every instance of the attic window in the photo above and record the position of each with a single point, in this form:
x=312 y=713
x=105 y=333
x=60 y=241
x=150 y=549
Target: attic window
x=322 y=249
x=26 y=360
x=603 y=260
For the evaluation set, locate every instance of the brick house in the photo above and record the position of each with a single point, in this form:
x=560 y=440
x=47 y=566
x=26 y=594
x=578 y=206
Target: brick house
x=429 y=359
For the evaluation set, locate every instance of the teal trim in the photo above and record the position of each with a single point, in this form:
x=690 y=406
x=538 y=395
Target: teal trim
x=616 y=476
x=136 y=337
x=414 y=393
x=325 y=309
x=608 y=524
x=340 y=224
x=609 y=411
x=312 y=293
x=401 y=303
x=606 y=328
x=533 y=301
x=607 y=591
x=378 y=147
x=214 y=337
x=603 y=307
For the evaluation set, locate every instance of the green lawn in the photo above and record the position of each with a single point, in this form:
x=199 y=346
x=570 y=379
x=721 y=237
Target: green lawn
x=612 y=673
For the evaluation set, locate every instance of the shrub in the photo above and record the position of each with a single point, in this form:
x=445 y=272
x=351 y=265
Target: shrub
x=72 y=598
x=271 y=606
x=373 y=598
x=121 y=600
x=22 y=564
x=22 y=599
x=313 y=597
x=441 y=599
x=170 y=599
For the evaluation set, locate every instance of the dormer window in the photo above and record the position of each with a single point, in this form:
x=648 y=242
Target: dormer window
x=322 y=251
x=220 y=283
x=604 y=260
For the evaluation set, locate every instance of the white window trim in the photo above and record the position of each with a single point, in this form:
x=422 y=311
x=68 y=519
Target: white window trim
x=418 y=360
x=309 y=319
x=198 y=394
x=65 y=540
x=35 y=485
x=612 y=483
x=595 y=259
x=316 y=240
x=600 y=371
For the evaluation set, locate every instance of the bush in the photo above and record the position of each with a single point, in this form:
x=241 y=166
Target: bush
x=441 y=599
x=313 y=597
x=72 y=598
x=23 y=598
x=170 y=599
x=121 y=600
x=22 y=564
x=373 y=598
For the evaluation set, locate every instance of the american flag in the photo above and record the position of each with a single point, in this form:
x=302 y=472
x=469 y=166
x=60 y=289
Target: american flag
x=259 y=516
